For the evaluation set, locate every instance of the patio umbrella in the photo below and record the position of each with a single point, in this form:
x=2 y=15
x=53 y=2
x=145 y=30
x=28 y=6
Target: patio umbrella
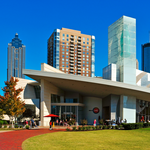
x=51 y=115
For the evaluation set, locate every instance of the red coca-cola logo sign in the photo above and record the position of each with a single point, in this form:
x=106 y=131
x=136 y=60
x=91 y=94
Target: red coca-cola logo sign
x=95 y=110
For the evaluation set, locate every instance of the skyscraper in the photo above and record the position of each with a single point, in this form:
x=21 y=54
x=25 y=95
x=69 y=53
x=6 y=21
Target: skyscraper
x=16 y=58
x=146 y=57
x=72 y=52
x=122 y=48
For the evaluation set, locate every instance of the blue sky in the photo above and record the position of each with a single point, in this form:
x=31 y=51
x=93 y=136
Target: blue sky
x=34 y=21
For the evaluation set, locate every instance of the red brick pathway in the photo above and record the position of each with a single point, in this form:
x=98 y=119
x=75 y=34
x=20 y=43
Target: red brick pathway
x=13 y=140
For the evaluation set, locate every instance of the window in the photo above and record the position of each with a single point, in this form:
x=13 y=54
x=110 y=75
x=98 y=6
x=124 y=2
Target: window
x=87 y=42
x=83 y=49
x=83 y=61
x=75 y=54
x=75 y=57
x=83 y=74
x=87 y=72
x=75 y=60
x=87 y=75
x=87 y=47
x=63 y=34
x=83 y=71
x=67 y=46
x=67 y=63
x=67 y=66
x=83 y=68
x=63 y=56
x=67 y=50
x=87 y=50
x=83 y=55
x=75 y=44
x=63 y=62
x=67 y=39
x=66 y=53
x=75 y=37
x=87 y=65
x=67 y=35
x=87 y=39
x=66 y=69
x=87 y=53
x=63 y=38
x=63 y=46
x=83 y=65
x=83 y=58
x=84 y=39
x=63 y=66
x=67 y=43
x=63 y=42
x=83 y=52
x=75 y=48
x=87 y=68
x=62 y=59
x=87 y=59
x=63 y=52
x=87 y=56
x=66 y=56
x=84 y=46
x=75 y=64
x=83 y=42
x=66 y=59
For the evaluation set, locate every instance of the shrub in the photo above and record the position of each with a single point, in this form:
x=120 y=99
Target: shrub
x=74 y=128
x=109 y=126
x=80 y=128
x=72 y=122
x=93 y=128
x=101 y=122
x=20 y=126
x=16 y=126
x=10 y=127
x=120 y=126
x=5 y=122
x=5 y=126
x=105 y=127
x=0 y=125
x=84 y=122
x=67 y=129
x=116 y=127
x=101 y=127
x=145 y=125
x=87 y=128
x=129 y=126
x=27 y=127
x=97 y=127
x=83 y=128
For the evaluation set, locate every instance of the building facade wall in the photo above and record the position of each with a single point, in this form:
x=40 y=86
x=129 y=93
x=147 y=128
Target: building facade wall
x=72 y=52
x=90 y=103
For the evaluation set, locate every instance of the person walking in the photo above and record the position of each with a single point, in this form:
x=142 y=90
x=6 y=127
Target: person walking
x=94 y=123
x=50 y=125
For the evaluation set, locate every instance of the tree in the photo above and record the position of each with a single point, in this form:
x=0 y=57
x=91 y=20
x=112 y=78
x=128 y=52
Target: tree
x=11 y=104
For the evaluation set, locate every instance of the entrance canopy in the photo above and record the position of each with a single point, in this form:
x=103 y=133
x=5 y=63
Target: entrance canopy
x=89 y=86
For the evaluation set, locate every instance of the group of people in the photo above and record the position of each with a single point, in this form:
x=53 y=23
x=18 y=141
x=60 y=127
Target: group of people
x=31 y=123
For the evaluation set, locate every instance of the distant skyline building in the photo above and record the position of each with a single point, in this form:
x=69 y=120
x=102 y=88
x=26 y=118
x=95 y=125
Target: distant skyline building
x=16 y=58
x=146 y=57
x=122 y=48
x=72 y=52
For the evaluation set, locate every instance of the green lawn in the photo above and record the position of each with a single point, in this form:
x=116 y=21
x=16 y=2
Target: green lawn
x=91 y=140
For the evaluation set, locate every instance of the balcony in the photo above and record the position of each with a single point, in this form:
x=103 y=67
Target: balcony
x=79 y=55
x=71 y=70
x=71 y=41
x=79 y=65
x=79 y=62
x=79 y=52
x=72 y=37
x=71 y=64
x=71 y=61
x=71 y=48
x=71 y=54
x=79 y=58
x=79 y=38
x=72 y=45
x=79 y=68
x=72 y=51
x=79 y=42
x=79 y=71
x=72 y=58
x=79 y=46
x=71 y=67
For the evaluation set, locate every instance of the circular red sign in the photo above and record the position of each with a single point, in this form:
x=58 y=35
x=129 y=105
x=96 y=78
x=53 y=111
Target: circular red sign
x=95 y=110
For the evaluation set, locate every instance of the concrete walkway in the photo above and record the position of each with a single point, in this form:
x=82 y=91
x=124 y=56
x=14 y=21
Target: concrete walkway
x=12 y=140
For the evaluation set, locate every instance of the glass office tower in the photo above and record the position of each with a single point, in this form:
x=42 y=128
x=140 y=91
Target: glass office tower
x=16 y=58
x=122 y=48
x=146 y=57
